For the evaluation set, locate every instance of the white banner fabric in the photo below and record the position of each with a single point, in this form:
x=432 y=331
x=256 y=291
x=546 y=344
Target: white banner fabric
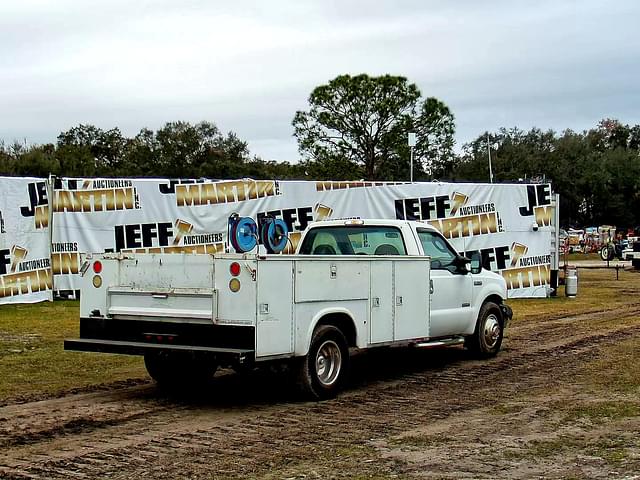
x=510 y=224
x=25 y=270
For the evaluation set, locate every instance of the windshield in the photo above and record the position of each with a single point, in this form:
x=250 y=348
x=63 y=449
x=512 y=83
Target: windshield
x=354 y=240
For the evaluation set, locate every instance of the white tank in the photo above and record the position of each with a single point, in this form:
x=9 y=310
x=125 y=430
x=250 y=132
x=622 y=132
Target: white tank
x=571 y=283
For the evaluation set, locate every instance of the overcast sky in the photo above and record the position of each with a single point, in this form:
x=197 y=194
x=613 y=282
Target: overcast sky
x=249 y=65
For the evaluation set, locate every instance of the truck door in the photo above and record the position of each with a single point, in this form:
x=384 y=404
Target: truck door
x=451 y=290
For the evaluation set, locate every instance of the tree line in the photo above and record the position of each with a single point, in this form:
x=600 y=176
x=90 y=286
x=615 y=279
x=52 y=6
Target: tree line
x=355 y=128
x=596 y=172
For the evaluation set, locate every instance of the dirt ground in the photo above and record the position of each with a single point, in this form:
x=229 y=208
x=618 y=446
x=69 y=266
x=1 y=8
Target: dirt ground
x=560 y=401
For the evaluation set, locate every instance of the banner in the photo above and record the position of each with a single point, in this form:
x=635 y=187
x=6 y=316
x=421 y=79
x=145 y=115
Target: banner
x=25 y=269
x=509 y=224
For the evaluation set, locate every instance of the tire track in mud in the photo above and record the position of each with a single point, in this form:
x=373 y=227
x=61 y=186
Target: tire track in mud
x=551 y=326
x=153 y=436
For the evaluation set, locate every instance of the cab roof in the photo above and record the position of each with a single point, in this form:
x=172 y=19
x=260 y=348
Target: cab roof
x=360 y=222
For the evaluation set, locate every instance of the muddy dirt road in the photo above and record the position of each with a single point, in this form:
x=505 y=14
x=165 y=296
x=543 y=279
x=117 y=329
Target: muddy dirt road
x=423 y=414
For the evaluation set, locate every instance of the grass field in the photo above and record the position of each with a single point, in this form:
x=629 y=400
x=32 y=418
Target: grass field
x=560 y=401
x=582 y=256
x=33 y=362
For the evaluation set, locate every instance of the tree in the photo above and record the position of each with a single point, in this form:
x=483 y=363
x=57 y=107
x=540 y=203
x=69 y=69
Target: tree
x=142 y=154
x=7 y=161
x=107 y=148
x=596 y=172
x=226 y=157
x=195 y=150
x=365 y=120
x=38 y=160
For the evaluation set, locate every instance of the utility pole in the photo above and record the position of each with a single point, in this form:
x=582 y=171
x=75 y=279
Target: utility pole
x=411 y=140
x=489 y=153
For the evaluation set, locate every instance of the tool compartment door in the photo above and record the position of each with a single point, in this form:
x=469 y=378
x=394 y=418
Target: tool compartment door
x=159 y=287
x=274 y=322
x=411 y=298
x=381 y=302
x=323 y=278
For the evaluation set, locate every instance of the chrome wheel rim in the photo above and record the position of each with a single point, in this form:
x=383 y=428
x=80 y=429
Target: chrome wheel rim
x=328 y=363
x=491 y=331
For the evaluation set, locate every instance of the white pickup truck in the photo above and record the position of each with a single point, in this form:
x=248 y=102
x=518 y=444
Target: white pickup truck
x=352 y=284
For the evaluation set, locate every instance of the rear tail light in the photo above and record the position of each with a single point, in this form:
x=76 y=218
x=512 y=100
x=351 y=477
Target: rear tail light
x=234 y=285
x=234 y=269
x=97 y=266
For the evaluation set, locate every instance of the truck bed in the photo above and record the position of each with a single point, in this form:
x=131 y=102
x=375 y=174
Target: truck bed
x=168 y=301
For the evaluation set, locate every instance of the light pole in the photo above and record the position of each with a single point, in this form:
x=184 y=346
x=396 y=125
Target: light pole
x=411 y=140
x=489 y=153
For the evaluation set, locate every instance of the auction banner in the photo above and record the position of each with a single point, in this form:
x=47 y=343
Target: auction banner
x=509 y=224
x=25 y=268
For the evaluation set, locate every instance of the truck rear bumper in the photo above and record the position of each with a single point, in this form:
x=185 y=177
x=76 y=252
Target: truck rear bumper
x=140 y=348
x=138 y=337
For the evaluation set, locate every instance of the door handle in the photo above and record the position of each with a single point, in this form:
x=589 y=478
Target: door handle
x=430 y=286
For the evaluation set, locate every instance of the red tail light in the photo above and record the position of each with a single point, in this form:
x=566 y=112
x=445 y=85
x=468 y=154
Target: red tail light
x=97 y=266
x=234 y=269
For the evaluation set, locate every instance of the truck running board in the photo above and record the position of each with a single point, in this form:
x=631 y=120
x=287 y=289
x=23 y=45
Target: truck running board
x=441 y=343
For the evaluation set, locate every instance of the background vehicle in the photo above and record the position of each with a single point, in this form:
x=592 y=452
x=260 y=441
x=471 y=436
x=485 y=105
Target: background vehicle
x=351 y=284
x=613 y=249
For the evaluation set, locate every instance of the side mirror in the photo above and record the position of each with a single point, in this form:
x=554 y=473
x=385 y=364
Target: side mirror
x=461 y=264
x=476 y=262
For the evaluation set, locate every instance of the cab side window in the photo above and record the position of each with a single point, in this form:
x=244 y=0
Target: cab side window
x=442 y=256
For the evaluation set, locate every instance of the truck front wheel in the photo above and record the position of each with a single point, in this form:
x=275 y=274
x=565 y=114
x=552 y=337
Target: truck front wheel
x=323 y=371
x=487 y=337
x=170 y=369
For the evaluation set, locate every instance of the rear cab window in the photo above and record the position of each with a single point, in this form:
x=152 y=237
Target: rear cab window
x=354 y=240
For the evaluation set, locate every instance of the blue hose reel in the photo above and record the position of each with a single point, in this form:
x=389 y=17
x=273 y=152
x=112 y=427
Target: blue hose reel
x=273 y=234
x=244 y=234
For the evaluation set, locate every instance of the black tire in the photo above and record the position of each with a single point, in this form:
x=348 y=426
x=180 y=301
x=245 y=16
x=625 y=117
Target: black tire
x=607 y=253
x=635 y=264
x=170 y=369
x=487 y=337
x=322 y=373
